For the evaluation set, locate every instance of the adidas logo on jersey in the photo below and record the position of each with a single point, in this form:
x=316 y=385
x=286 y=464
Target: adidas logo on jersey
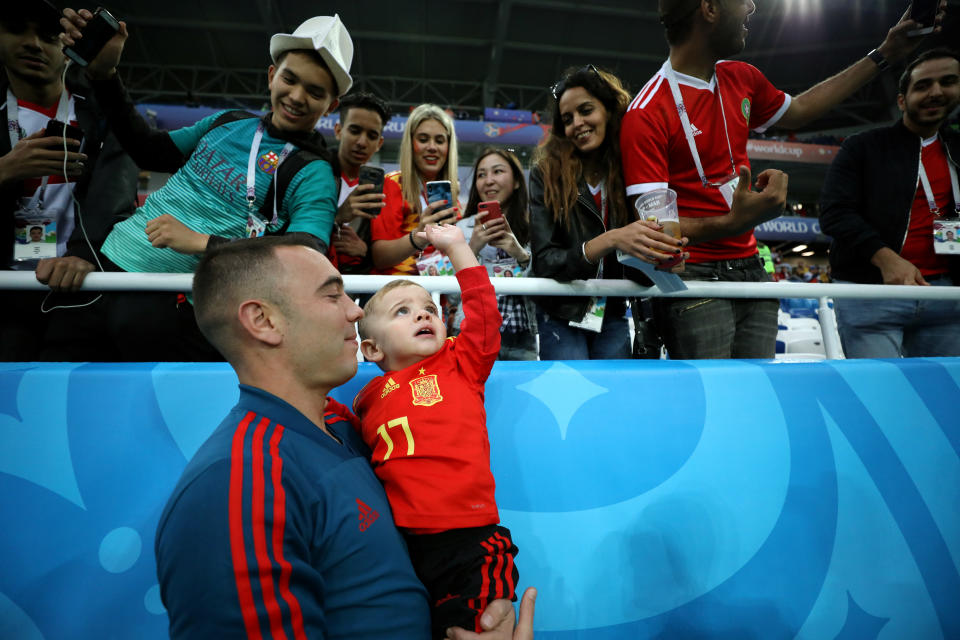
x=390 y=386
x=696 y=131
x=367 y=515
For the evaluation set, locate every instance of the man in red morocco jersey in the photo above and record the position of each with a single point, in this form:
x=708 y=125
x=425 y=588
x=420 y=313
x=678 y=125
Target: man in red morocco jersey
x=425 y=422
x=687 y=130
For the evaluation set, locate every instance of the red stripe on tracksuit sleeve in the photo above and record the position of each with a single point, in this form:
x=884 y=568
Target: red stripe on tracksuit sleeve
x=237 y=549
x=498 y=568
x=279 y=523
x=484 y=594
x=508 y=572
x=259 y=525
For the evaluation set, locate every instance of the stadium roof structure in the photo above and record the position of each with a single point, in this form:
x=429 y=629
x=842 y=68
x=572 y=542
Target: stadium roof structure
x=468 y=54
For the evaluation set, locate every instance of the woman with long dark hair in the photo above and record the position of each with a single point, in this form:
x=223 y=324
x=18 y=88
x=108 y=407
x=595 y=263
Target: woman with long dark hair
x=579 y=218
x=502 y=243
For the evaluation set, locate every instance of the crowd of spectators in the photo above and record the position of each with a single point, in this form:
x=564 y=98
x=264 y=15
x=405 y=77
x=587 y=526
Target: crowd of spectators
x=603 y=149
x=270 y=218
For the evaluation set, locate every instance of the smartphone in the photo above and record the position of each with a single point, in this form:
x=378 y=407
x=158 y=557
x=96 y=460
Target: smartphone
x=100 y=28
x=923 y=12
x=61 y=130
x=441 y=190
x=489 y=210
x=374 y=176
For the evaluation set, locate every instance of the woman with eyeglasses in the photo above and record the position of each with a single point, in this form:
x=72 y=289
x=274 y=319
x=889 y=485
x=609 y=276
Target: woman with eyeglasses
x=579 y=218
x=428 y=151
x=501 y=243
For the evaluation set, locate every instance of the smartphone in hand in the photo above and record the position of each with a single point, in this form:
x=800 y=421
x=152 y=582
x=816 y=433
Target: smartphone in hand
x=924 y=12
x=489 y=210
x=374 y=176
x=441 y=190
x=100 y=28
x=55 y=128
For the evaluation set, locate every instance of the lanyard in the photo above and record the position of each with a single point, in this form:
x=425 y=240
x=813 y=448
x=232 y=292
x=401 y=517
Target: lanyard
x=928 y=190
x=252 y=170
x=685 y=121
x=603 y=221
x=13 y=129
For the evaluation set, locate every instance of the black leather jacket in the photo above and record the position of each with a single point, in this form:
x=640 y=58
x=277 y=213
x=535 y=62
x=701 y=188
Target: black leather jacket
x=868 y=195
x=558 y=250
x=107 y=190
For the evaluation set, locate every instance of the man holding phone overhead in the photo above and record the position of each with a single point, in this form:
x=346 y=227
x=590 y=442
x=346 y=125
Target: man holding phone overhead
x=687 y=130
x=73 y=193
x=360 y=133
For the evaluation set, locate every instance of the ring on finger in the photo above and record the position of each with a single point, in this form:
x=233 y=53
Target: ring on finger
x=483 y=226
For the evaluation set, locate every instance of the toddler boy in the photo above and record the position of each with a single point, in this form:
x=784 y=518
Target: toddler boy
x=425 y=423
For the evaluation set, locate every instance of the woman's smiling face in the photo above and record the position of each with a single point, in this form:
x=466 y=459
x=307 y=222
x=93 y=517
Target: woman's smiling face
x=584 y=119
x=495 y=179
x=430 y=146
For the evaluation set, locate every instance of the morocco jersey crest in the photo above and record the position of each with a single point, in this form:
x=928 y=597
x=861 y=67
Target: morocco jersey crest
x=426 y=391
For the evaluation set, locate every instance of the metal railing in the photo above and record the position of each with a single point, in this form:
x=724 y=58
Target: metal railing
x=25 y=280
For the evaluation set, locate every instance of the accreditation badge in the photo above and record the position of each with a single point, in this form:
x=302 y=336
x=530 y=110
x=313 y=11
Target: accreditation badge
x=35 y=236
x=256 y=226
x=593 y=320
x=946 y=237
x=727 y=190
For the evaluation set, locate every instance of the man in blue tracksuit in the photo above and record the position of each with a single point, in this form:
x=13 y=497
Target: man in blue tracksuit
x=278 y=526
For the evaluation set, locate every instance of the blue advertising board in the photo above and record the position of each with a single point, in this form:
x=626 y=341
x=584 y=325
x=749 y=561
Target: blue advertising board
x=493 y=132
x=649 y=499
x=791 y=228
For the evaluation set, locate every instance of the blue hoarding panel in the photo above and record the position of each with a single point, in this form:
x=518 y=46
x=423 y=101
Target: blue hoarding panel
x=649 y=499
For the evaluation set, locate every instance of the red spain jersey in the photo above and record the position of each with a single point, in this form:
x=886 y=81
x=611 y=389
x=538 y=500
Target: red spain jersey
x=656 y=153
x=427 y=427
x=397 y=219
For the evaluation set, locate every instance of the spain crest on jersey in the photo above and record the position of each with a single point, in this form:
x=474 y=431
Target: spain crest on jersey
x=426 y=391
x=268 y=162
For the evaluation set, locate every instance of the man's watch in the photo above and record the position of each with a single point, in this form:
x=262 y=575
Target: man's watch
x=878 y=58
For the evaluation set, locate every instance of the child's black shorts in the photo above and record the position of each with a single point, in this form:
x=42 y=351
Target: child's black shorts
x=464 y=570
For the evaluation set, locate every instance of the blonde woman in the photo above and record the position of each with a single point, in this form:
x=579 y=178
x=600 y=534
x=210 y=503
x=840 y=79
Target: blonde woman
x=428 y=151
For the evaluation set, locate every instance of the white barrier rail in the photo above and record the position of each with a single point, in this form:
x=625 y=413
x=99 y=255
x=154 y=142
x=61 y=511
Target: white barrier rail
x=25 y=280
x=21 y=280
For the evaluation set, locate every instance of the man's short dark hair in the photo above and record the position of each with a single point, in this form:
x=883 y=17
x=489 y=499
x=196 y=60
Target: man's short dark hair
x=932 y=54
x=677 y=17
x=364 y=100
x=235 y=270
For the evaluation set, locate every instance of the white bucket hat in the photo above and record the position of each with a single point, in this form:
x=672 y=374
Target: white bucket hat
x=329 y=38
